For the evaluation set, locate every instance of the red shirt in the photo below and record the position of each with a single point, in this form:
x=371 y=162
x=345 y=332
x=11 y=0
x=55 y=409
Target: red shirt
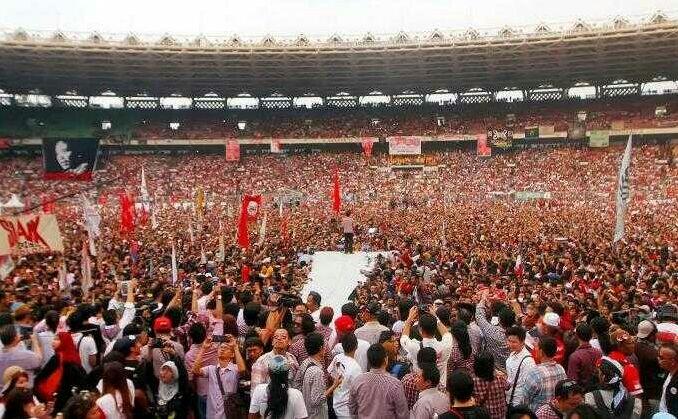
x=631 y=377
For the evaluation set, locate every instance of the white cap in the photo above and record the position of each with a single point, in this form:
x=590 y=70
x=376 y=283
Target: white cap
x=552 y=319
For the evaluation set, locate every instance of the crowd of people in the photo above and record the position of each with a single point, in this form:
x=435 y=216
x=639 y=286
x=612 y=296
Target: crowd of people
x=479 y=304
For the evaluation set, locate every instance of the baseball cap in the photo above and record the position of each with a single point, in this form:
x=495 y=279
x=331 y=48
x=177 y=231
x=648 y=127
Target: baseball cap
x=552 y=319
x=162 y=325
x=565 y=388
x=645 y=329
x=344 y=324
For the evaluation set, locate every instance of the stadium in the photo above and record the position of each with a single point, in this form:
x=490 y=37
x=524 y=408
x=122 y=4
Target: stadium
x=453 y=224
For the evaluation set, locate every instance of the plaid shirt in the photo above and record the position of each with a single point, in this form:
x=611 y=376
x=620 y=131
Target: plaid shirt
x=298 y=349
x=410 y=387
x=495 y=337
x=540 y=383
x=547 y=411
x=260 y=368
x=491 y=395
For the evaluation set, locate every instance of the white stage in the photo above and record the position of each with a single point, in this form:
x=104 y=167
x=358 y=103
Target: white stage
x=334 y=275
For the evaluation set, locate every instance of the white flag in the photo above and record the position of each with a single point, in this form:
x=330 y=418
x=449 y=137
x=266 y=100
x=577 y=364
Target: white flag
x=175 y=274
x=203 y=257
x=92 y=220
x=86 y=269
x=262 y=230
x=280 y=208
x=190 y=231
x=143 y=188
x=6 y=266
x=623 y=192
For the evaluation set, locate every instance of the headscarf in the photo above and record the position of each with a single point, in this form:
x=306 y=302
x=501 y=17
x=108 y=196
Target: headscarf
x=612 y=373
x=166 y=392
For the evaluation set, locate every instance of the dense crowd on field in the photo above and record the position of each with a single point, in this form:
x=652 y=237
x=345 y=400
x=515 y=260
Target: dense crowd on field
x=480 y=304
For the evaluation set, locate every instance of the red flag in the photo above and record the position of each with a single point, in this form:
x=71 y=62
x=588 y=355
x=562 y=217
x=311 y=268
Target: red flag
x=336 y=194
x=126 y=213
x=367 y=144
x=48 y=204
x=249 y=211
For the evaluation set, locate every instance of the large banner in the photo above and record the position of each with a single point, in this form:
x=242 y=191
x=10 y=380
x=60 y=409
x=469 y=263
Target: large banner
x=400 y=146
x=71 y=159
x=276 y=146
x=232 y=150
x=500 y=138
x=599 y=139
x=531 y=133
x=482 y=148
x=31 y=233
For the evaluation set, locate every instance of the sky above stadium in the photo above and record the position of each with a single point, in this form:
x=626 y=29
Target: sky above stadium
x=311 y=17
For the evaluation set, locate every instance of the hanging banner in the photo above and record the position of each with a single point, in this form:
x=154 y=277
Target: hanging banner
x=482 y=149
x=276 y=146
x=404 y=145
x=69 y=159
x=28 y=234
x=368 y=145
x=232 y=150
x=599 y=139
x=500 y=138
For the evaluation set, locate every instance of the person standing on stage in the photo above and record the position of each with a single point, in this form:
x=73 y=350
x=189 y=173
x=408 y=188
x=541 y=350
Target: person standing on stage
x=347 y=227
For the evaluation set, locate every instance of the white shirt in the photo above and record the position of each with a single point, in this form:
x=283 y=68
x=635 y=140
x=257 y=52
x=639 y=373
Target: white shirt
x=202 y=303
x=662 y=402
x=87 y=347
x=348 y=368
x=112 y=407
x=296 y=409
x=46 y=338
x=360 y=353
x=442 y=347
x=512 y=363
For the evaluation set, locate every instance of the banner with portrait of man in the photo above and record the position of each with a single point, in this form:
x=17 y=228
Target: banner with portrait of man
x=69 y=158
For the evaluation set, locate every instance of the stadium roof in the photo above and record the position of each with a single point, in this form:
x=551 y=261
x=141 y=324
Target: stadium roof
x=457 y=62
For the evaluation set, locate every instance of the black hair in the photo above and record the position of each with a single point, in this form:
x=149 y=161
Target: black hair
x=376 y=354
x=349 y=342
x=460 y=385
x=313 y=343
x=548 y=345
x=132 y=329
x=197 y=333
x=7 y=334
x=443 y=314
x=79 y=405
x=349 y=309
x=506 y=317
x=383 y=318
x=459 y=331
x=385 y=336
x=601 y=327
x=5 y=319
x=483 y=366
x=277 y=394
x=326 y=316
x=518 y=412
x=250 y=313
x=15 y=402
x=517 y=331
x=253 y=341
x=110 y=317
x=584 y=332
x=427 y=324
x=246 y=297
x=206 y=287
x=231 y=308
x=52 y=320
x=465 y=315
x=426 y=355
x=174 y=314
x=307 y=324
x=404 y=308
x=430 y=373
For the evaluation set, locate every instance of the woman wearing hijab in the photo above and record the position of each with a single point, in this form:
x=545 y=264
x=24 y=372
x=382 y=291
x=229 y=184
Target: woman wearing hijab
x=613 y=399
x=171 y=401
x=61 y=374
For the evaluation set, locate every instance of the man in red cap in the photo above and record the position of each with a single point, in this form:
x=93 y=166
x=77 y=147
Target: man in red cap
x=343 y=325
x=163 y=345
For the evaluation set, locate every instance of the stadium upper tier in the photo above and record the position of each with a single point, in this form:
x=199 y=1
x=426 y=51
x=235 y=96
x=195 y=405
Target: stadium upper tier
x=430 y=120
x=512 y=59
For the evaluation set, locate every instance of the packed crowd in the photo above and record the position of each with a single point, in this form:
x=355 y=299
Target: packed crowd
x=470 y=119
x=478 y=306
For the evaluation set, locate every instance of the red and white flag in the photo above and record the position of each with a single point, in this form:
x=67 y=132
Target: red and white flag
x=519 y=269
x=249 y=211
